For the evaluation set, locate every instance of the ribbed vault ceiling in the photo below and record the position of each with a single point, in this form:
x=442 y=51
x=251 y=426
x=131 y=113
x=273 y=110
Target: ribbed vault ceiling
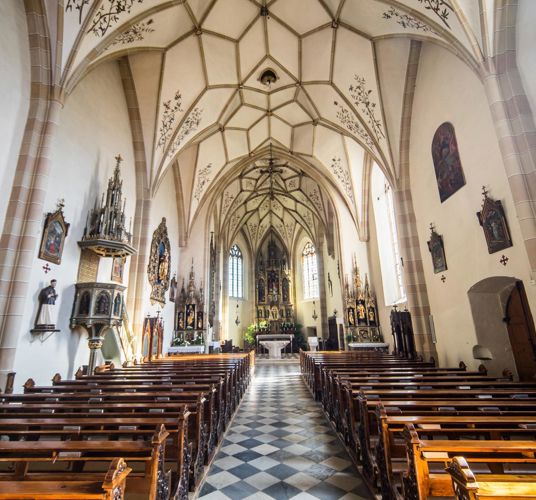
x=196 y=66
x=271 y=194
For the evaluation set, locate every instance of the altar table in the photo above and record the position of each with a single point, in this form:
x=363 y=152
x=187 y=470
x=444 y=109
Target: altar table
x=186 y=349
x=375 y=346
x=274 y=347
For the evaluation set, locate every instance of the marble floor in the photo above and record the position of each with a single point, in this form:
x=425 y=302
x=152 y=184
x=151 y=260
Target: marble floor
x=280 y=446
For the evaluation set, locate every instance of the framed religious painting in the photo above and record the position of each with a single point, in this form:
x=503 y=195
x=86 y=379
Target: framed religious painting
x=118 y=269
x=493 y=221
x=437 y=250
x=447 y=164
x=200 y=322
x=54 y=234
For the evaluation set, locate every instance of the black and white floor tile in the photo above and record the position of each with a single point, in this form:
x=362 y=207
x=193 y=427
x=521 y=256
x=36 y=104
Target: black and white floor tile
x=280 y=446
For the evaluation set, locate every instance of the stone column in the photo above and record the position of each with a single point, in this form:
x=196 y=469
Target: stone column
x=24 y=217
x=141 y=227
x=514 y=122
x=415 y=284
x=322 y=288
x=138 y=282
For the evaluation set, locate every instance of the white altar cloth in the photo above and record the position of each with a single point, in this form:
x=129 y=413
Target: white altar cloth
x=274 y=347
x=186 y=349
x=369 y=345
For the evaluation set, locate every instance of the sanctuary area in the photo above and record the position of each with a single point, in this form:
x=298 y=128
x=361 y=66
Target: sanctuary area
x=267 y=249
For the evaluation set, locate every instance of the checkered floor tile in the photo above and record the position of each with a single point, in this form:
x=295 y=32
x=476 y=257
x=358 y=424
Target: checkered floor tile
x=280 y=446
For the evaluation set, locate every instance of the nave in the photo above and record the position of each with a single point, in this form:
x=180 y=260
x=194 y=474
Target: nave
x=280 y=446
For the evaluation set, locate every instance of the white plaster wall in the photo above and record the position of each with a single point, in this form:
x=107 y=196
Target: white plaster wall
x=447 y=90
x=376 y=281
x=526 y=43
x=93 y=129
x=351 y=246
x=304 y=307
x=164 y=204
x=14 y=91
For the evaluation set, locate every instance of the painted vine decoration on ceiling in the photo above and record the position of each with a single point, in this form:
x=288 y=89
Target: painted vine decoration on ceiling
x=314 y=195
x=78 y=5
x=171 y=108
x=190 y=125
x=441 y=8
x=203 y=179
x=345 y=117
x=253 y=226
x=361 y=97
x=108 y=15
x=343 y=176
x=292 y=184
x=289 y=226
x=134 y=34
x=407 y=21
x=227 y=200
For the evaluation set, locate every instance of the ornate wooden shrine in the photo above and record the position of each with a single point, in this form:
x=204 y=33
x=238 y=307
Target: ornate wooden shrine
x=361 y=320
x=190 y=314
x=273 y=300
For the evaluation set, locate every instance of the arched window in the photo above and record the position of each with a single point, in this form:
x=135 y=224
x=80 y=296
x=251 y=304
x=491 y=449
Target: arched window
x=310 y=272
x=386 y=231
x=235 y=272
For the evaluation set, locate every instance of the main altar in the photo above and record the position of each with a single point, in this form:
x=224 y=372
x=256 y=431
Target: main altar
x=273 y=301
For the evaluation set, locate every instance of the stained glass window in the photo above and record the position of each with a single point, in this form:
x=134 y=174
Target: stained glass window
x=235 y=272
x=310 y=272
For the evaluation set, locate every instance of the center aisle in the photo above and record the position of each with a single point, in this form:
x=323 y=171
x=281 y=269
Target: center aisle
x=281 y=446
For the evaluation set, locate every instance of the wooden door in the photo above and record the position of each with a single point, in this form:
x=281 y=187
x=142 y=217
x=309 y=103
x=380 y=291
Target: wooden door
x=521 y=332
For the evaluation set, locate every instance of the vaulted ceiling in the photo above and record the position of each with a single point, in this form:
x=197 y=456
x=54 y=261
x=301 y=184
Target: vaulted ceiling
x=271 y=194
x=197 y=65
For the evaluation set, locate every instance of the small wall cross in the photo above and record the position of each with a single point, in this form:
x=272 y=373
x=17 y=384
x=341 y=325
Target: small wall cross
x=504 y=260
x=47 y=268
x=443 y=278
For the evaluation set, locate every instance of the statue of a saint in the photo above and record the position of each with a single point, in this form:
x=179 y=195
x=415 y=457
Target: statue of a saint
x=47 y=300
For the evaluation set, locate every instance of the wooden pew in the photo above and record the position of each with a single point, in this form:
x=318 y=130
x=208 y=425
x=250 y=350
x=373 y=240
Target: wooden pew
x=190 y=436
x=81 y=460
x=112 y=487
x=116 y=406
x=389 y=453
x=468 y=486
x=426 y=474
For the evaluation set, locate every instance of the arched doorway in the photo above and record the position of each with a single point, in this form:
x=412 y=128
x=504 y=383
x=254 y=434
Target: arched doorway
x=504 y=325
x=521 y=332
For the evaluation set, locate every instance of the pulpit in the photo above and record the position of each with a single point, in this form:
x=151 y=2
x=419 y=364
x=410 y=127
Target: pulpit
x=274 y=347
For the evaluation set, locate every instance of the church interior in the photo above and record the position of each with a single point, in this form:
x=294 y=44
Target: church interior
x=267 y=249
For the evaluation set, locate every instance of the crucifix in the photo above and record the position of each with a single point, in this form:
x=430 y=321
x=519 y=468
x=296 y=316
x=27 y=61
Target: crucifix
x=271 y=170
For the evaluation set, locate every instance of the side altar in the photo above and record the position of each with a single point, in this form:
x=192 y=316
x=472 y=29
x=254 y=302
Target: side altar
x=361 y=320
x=190 y=328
